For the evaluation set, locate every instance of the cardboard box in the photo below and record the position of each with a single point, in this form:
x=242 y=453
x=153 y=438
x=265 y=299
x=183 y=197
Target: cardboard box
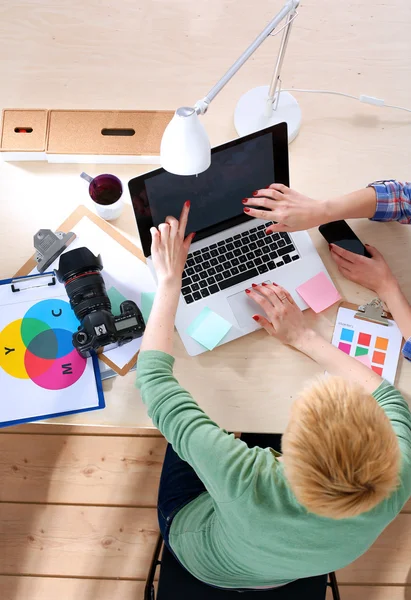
x=23 y=134
x=106 y=136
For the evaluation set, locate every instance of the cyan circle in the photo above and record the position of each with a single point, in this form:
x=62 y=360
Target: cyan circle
x=57 y=314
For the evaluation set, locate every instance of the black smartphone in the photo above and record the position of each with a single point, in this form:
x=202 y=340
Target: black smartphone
x=341 y=234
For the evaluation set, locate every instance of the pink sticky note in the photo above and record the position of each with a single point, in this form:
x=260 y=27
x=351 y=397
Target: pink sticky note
x=364 y=360
x=319 y=292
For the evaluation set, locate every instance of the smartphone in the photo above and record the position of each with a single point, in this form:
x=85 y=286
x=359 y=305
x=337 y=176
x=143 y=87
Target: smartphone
x=341 y=234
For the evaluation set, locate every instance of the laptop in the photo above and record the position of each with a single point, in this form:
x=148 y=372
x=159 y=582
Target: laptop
x=231 y=250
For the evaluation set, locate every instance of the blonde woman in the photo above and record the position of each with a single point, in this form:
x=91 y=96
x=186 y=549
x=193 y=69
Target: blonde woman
x=241 y=518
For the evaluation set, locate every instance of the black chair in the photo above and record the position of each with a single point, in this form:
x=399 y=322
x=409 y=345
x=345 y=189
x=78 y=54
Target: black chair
x=175 y=583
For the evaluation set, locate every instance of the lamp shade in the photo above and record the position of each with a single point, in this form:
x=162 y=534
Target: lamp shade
x=185 y=147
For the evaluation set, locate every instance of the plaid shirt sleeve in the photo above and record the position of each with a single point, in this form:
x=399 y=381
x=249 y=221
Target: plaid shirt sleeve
x=393 y=201
x=407 y=349
x=394 y=204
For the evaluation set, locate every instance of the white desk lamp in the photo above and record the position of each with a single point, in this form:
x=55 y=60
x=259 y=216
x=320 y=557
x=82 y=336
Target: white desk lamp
x=185 y=147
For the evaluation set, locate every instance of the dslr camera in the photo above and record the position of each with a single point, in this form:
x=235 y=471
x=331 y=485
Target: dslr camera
x=79 y=270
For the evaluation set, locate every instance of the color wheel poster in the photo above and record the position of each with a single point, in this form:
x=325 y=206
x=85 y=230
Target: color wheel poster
x=41 y=373
x=376 y=346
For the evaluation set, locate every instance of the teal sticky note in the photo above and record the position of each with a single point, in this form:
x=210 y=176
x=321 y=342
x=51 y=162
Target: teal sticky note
x=208 y=329
x=116 y=298
x=147 y=299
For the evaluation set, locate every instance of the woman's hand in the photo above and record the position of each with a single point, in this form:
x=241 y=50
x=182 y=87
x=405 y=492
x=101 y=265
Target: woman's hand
x=373 y=273
x=292 y=211
x=284 y=319
x=169 y=247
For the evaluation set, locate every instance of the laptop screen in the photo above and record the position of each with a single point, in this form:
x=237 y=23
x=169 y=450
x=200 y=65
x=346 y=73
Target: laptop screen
x=237 y=169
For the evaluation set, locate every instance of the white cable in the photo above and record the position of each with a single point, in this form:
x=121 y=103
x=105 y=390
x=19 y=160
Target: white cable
x=363 y=98
x=397 y=107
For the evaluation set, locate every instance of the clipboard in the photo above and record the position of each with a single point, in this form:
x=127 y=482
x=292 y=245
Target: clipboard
x=369 y=334
x=68 y=225
x=25 y=367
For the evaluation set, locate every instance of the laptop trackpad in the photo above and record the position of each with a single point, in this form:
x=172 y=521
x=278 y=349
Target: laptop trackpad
x=244 y=308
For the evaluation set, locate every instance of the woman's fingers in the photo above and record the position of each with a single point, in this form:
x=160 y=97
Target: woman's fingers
x=282 y=292
x=346 y=255
x=173 y=223
x=269 y=193
x=263 y=202
x=188 y=240
x=277 y=228
x=164 y=229
x=374 y=252
x=155 y=239
x=280 y=187
x=259 y=214
x=265 y=323
x=184 y=218
x=261 y=300
x=268 y=291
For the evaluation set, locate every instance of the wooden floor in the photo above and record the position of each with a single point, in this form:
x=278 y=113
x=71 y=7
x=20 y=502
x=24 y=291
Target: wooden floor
x=78 y=519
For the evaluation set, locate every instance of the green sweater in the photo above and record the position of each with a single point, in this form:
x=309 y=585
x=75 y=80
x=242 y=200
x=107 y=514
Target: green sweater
x=248 y=530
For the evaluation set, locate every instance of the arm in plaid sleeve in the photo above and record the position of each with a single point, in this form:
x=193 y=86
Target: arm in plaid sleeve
x=407 y=349
x=393 y=201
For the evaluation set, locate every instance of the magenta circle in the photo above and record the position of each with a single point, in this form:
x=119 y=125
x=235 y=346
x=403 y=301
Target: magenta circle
x=63 y=373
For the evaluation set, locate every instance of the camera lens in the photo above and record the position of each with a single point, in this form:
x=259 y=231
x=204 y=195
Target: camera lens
x=79 y=270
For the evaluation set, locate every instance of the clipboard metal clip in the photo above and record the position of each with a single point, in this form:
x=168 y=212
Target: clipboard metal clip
x=33 y=281
x=373 y=312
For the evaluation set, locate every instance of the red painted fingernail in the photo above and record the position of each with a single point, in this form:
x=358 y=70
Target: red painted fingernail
x=246 y=210
x=264 y=284
x=255 y=193
x=272 y=283
x=193 y=235
x=247 y=291
x=268 y=187
x=187 y=203
x=256 y=318
x=253 y=285
x=244 y=200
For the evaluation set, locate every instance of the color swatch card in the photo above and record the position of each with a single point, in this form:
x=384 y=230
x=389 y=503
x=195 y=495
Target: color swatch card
x=41 y=373
x=376 y=346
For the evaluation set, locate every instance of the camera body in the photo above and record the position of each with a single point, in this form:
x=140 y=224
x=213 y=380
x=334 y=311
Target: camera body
x=79 y=270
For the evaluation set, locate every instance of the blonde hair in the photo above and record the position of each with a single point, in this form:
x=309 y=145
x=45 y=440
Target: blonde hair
x=341 y=455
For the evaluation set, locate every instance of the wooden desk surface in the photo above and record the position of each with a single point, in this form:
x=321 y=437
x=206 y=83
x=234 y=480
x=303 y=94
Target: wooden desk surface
x=135 y=55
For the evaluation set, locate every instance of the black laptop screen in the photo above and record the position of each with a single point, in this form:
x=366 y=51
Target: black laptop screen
x=237 y=169
x=216 y=194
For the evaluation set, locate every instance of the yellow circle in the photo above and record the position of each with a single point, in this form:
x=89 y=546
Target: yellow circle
x=12 y=350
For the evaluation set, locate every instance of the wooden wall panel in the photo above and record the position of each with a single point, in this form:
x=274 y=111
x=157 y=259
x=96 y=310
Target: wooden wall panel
x=81 y=469
x=77 y=541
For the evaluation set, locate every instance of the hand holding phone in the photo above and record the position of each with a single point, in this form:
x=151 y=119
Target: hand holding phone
x=341 y=234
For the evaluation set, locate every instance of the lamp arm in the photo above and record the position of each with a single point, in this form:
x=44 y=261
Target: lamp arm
x=202 y=105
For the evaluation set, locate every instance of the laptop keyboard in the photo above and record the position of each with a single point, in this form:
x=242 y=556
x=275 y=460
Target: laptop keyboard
x=234 y=260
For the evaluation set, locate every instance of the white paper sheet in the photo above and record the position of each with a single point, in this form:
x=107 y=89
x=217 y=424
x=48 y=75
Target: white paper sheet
x=129 y=275
x=381 y=344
